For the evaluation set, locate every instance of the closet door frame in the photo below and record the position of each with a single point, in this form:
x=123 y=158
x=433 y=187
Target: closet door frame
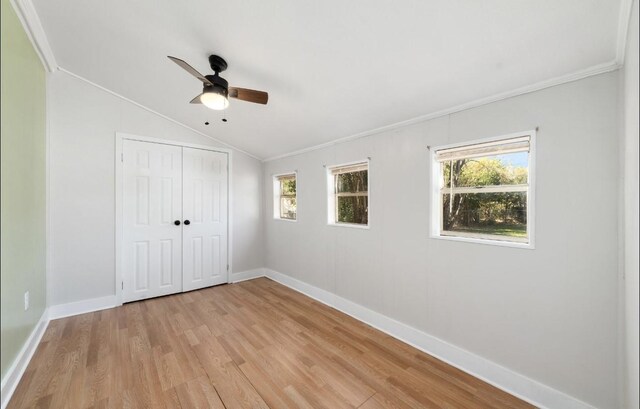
x=119 y=196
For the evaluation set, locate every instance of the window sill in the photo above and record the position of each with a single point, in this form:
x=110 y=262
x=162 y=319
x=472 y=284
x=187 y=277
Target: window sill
x=350 y=225
x=285 y=220
x=499 y=243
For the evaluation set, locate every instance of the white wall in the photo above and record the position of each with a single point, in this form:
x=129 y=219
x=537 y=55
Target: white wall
x=551 y=313
x=631 y=267
x=83 y=122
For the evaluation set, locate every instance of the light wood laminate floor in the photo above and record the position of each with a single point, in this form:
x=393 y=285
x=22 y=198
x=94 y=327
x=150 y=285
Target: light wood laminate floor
x=256 y=344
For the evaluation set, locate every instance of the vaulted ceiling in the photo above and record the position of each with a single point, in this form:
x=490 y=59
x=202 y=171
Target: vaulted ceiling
x=332 y=68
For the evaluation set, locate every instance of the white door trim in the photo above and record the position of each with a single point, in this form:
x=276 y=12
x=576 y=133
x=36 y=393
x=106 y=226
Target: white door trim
x=119 y=139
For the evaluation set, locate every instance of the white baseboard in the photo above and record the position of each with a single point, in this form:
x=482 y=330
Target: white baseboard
x=82 y=307
x=503 y=378
x=246 y=275
x=16 y=370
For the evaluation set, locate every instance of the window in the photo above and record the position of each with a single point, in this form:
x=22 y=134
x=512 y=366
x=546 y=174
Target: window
x=348 y=187
x=483 y=191
x=285 y=203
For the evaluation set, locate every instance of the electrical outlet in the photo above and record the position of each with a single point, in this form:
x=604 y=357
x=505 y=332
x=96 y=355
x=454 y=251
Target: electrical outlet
x=26 y=300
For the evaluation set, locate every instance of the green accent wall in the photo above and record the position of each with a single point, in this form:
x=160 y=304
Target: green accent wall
x=23 y=188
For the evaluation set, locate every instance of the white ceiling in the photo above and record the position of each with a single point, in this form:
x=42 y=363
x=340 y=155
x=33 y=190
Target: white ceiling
x=332 y=68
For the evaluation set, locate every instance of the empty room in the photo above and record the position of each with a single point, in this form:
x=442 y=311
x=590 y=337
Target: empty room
x=340 y=204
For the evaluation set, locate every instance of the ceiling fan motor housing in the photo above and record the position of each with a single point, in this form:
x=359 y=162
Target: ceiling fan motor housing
x=220 y=85
x=216 y=87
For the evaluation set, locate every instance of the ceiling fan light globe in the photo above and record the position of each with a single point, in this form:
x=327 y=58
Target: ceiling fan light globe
x=214 y=101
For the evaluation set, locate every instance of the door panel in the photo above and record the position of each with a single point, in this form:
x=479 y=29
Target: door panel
x=152 y=201
x=205 y=206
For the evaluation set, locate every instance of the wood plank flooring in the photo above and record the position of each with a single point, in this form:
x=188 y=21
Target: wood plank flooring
x=256 y=344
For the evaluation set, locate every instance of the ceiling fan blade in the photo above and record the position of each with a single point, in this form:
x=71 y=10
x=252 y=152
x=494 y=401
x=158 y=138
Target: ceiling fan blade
x=250 y=95
x=190 y=69
x=196 y=100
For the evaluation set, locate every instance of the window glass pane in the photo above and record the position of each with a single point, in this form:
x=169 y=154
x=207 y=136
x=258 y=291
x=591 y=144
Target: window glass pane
x=352 y=182
x=507 y=169
x=352 y=209
x=288 y=186
x=288 y=207
x=503 y=214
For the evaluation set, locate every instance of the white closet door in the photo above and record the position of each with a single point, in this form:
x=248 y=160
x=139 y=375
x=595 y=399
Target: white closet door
x=205 y=218
x=152 y=202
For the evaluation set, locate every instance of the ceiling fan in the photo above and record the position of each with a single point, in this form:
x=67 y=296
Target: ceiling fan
x=216 y=90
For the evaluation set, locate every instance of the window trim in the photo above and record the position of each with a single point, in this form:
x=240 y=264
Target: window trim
x=435 y=217
x=331 y=196
x=277 y=196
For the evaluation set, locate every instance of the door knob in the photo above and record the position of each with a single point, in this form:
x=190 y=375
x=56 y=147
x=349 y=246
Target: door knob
x=177 y=222
x=187 y=222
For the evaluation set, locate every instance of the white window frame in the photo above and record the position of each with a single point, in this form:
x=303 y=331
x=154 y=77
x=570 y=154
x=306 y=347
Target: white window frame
x=276 y=196
x=436 y=208
x=331 y=196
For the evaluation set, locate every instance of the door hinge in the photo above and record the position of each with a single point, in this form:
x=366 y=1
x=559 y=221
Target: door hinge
x=122 y=284
x=122 y=157
x=227 y=267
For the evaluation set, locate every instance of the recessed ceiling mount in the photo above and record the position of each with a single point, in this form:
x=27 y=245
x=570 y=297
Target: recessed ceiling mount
x=217 y=63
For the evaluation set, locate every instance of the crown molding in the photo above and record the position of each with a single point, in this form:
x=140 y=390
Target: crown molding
x=626 y=8
x=146 y=108
x=552 y=82
x=33 y=27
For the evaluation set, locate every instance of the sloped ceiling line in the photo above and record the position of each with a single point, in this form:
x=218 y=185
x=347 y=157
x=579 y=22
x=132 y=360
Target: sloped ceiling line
x=156 y=112
x=626 y=8
x=33 y=26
